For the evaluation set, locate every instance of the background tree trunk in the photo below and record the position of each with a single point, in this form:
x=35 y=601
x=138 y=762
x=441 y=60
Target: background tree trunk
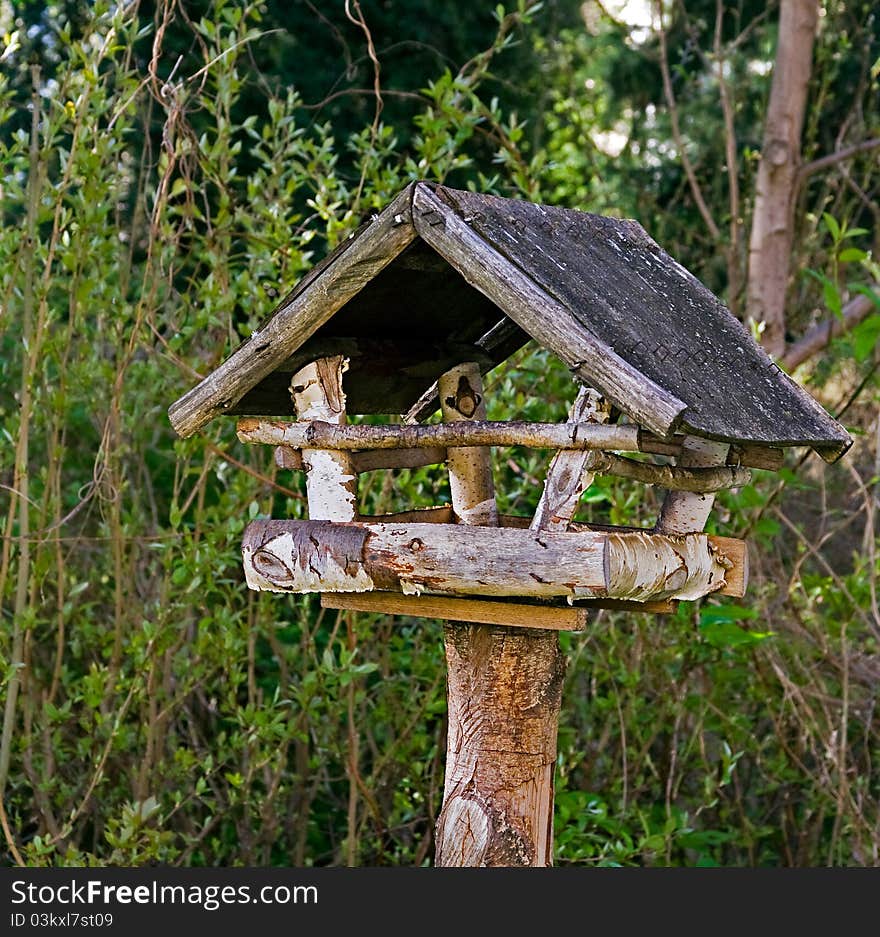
x=772 y=224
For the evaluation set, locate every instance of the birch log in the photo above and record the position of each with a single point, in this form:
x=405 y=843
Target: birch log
x=470 y=469
x=684 y=512
x=447 y=559
x=331 y=483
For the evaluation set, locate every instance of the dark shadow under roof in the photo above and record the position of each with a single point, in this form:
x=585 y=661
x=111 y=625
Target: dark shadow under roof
x=443 y=276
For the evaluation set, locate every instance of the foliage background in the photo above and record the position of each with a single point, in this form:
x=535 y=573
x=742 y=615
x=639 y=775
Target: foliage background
x=168 y=169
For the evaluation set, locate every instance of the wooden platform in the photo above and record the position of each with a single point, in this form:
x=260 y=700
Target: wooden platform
x=484 y=611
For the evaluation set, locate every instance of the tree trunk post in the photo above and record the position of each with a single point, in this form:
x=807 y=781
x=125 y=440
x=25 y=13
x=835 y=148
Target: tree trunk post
x=504 y=695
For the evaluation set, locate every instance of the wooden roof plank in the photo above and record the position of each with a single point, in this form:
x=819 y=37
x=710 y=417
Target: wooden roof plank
x=611 y=278
x=298 y=316
x=622 y=314
x=542 y=316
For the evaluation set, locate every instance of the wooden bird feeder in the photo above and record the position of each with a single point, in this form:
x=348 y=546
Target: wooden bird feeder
x=404 y=318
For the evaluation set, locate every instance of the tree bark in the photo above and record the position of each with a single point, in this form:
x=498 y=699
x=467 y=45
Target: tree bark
x=505 y=690
x=450 y=559
x=773 y=223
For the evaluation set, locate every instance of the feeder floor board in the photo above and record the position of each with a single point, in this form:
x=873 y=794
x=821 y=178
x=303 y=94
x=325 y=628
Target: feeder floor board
x=478 y=611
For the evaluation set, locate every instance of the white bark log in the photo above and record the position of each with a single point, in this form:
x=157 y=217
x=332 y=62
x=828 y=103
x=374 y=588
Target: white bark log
x=470 y=469
x=450 y=559
x=331 y=483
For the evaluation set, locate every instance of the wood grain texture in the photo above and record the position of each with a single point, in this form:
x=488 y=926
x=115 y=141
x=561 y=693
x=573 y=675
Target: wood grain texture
x=488 y=611
x=298 y=316
x=609 y=278
x=539 y=313
x=475 y=611
x=759 y=457
x=485 y=820
x=449 y=559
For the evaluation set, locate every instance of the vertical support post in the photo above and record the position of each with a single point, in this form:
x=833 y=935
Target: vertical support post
x=685 y=512
x=331 y=483
x=504 y=694
x=331 y=489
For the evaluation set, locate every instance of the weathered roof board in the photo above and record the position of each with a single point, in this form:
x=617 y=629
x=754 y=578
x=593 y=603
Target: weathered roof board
x=598 y=292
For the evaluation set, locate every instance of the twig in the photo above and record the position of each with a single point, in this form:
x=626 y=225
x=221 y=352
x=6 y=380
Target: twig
x=252 y=472
x=10 y=841
x=389 y=92
x=825 y=161
x=733 y=266
x=696 y=191
x=820 y=335
x=377 y=87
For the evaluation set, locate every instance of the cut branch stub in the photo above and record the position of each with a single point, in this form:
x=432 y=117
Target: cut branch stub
x=450 y=559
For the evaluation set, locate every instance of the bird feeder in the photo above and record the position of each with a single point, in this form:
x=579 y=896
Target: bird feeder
x=404 y=318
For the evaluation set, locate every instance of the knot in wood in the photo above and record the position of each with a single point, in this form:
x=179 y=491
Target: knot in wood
x=271 y=567
x=777 y=152
x=466 y=399
x=416 y=545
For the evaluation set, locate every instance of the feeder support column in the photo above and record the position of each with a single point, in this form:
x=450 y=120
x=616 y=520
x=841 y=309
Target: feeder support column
x=505 y=688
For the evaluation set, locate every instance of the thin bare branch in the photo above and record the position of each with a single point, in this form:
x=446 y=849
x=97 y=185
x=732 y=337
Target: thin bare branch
x=672 y=104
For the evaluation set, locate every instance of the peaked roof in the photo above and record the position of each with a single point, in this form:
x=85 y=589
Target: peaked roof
x=442 y=276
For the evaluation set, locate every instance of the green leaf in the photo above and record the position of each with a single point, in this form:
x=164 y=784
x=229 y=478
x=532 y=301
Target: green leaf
x=179 y=187
x=872 y=294
x=864 y=337
x=727 y=634
x=851 y=255
x=711 y=614
x=832 y=225
x=832 y=298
